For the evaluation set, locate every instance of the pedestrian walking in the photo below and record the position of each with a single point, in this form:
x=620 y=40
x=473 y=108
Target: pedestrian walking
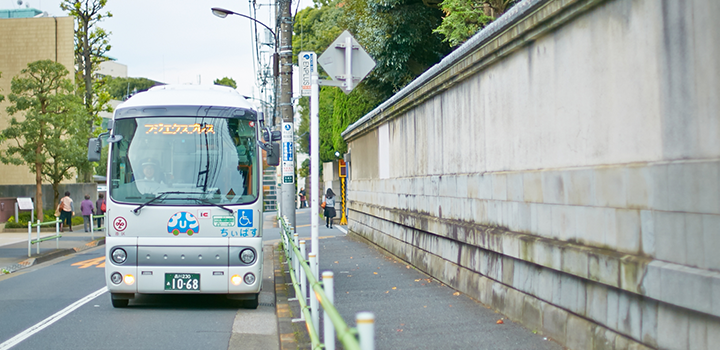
x=329 y=207
x=100 y=209
x=303 y=204
x=67 y=210
x=86 y=207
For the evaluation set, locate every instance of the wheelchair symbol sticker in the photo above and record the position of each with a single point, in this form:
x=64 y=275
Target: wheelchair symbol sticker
x=245 y=218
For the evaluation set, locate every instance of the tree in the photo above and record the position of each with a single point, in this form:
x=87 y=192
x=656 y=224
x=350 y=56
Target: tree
x=91 y=44
x=226 y=82
x=122 y=88
x=51 y=140
x=397 y=34
x=464 y=18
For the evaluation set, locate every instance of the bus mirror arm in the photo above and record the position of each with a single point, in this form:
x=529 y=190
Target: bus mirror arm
x=272 y=148
x=95 y=145
x=273 y=152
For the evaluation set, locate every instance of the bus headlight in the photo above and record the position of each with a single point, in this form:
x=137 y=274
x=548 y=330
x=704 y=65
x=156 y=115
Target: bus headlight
x=119 y=255
x=116 y=278
x=247 y=256
x=249 y=278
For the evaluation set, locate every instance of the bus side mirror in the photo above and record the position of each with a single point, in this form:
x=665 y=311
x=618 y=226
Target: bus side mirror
x=94 y=148
x=273 y=157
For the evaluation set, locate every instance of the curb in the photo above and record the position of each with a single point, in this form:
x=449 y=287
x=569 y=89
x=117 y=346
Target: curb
x=45 y=257
x=292 y=335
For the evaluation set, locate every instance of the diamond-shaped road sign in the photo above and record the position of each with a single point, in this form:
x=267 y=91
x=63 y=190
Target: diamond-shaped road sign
x=333 y=61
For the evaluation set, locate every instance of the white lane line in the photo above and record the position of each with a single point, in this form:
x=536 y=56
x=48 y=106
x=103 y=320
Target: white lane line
x=50 y=320
x=344 y=231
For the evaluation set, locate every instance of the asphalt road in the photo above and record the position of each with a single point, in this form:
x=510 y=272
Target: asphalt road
x=63 y=304
x=35 y=294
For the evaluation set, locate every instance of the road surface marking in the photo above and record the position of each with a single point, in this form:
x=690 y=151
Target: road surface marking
x=91 y=262
x=50 y=320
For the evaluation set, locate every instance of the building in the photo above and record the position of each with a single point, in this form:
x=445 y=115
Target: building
x=26 y=38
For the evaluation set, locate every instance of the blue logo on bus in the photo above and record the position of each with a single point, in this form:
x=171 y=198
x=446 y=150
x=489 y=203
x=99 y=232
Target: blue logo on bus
x=183 y=222
x=245 y=218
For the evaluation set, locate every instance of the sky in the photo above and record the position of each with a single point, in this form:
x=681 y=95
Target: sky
x=180 y=41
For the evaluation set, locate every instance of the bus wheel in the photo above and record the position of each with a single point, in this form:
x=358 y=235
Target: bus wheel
x=190 y=232
x=119 y=303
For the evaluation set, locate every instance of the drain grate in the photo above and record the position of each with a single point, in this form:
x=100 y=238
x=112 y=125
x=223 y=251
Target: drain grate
x=266 y=304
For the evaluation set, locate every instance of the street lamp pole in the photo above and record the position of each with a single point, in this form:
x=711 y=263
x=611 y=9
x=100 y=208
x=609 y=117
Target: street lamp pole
x=283 y=49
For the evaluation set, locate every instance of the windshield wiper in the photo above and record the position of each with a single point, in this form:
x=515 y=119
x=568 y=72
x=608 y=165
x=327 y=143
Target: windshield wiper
x=136 y=210
x=161 y=195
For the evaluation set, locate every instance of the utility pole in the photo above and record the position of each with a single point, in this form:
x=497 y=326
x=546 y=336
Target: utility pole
x=287 y=201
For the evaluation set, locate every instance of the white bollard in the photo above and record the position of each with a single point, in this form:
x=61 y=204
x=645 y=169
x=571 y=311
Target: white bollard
x=365 y=322
x=313 y=300
x=328 y=328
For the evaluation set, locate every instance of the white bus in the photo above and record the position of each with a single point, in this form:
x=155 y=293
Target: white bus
x=184 y=194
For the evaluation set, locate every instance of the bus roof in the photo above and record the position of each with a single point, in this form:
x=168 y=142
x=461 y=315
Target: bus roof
x=188 y=95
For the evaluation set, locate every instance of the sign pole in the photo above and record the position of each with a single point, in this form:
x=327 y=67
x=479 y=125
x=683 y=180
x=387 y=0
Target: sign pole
x=314 y=164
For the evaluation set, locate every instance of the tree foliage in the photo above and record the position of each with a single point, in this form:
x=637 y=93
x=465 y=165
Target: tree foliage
x=91 y=45
x=464 y=18
x=51 y=139
x=396 y=33
x=122 y=88
x=226 y=81
x=399 y=35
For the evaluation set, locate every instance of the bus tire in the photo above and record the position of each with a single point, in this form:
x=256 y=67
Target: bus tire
x=119 y=303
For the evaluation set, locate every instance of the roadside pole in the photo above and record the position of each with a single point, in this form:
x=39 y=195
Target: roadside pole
x=287 y=202
x=346 y=62
x=314 y=160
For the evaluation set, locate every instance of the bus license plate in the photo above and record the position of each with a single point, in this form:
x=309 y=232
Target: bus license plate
x=182 y=281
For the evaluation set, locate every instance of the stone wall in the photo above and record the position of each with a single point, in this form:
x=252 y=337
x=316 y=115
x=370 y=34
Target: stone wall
x=77 y=193
x=563 y=166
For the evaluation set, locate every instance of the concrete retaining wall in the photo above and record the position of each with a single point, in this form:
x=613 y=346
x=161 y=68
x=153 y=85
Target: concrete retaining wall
x=562 y=166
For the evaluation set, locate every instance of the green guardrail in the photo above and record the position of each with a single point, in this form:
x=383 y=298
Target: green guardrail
x=57 y=236
x=345 y=334
x=92 y=224
x=31 y=241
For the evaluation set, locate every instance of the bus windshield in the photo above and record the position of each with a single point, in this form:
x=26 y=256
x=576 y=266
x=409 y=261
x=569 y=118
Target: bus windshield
x=195 y=160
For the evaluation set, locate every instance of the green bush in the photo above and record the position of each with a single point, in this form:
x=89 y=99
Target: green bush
x=47 y=216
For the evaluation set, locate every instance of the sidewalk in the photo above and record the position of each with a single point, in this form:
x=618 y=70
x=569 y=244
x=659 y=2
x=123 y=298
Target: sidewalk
x=14 y=246
x=412 y=310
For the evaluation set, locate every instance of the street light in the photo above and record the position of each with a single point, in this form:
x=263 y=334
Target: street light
x=222 y=13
